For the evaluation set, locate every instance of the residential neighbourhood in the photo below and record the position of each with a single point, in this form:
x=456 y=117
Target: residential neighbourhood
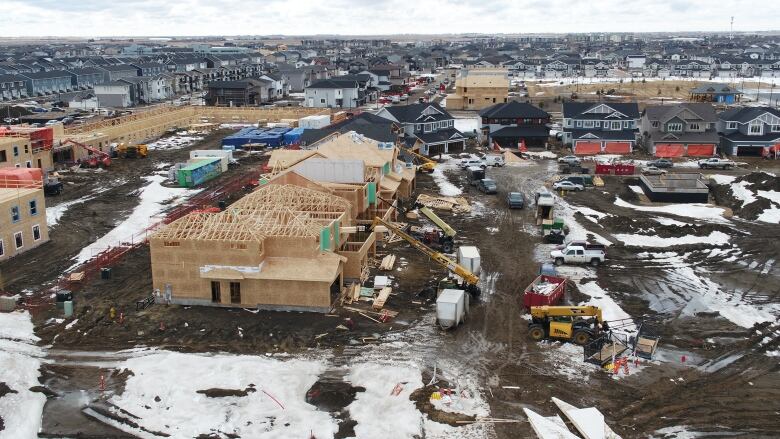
x=431 y=233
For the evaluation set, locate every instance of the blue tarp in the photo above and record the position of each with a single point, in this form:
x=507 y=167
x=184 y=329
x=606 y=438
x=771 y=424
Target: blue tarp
x=273 y=137
x=293 y=136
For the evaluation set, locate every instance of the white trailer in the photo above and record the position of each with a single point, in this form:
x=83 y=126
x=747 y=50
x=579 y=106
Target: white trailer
x=451 y=308
x=468 y=258
x=226 y=156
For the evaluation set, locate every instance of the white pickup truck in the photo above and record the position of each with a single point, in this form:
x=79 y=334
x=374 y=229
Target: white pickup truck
x=580 y=253
x=716 y=163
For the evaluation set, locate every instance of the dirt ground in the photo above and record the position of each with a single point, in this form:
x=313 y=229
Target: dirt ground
x=741 y=398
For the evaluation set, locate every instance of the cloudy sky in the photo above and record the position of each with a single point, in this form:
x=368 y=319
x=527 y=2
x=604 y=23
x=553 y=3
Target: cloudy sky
x=375 y=17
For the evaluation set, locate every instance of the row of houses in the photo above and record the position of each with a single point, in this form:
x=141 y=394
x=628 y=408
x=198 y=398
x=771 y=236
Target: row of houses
x=686 y=129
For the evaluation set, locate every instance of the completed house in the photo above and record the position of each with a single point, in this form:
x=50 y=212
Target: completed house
x=12 y=87
x=85 y=78
x=426 y=127
x=116 y=94
x=511 y=123
x=333 y=93
x=749 y=131
x=45 y=83
x=593 y=128
x=711 y=92
x=241 y=93
x=687 y=129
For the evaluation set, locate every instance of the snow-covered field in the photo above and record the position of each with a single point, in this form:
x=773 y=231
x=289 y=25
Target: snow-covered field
x=692 y=210
x=714 y=238
x=154 y=198
x=20 y=360
x=181 y=139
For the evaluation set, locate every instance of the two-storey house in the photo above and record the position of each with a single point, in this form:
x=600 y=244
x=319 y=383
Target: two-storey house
x=749 y=131
x=593 y=128
x=687 y=129
x=509 y=124
x=428 y=128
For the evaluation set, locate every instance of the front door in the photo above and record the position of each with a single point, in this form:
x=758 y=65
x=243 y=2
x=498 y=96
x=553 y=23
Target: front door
x=216 y=292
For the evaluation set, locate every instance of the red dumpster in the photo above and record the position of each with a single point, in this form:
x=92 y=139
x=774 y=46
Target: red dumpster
x=544 y=290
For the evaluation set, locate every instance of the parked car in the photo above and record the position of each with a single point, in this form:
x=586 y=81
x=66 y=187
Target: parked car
x=494 y=160
x=487 y=186
x=569 y=160
x=576 y=179
x=661 y=163
x=515 y=200
x=472 y=162
x=716 y=163
x=652 y=170
x=566 y=185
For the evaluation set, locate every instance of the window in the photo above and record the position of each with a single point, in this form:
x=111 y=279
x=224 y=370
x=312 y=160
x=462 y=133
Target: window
x=28 y=163
x=465 y=89
x=216 y=292
x=655 y=124
x=418 y=127
x=776 y=128
x=428 y=127
x=15 y=217
x=3 y=157
x=588 y=124
x=322 y=101
x=18 y=240
x=579 y=124
x=36 y=229
x=2 y=248
x=26 y=149
x=674 y=127
x=597 y=124
x=626 y=124
x=33 y=208
x=756 y=127
x=16 y=151
x=451 y=123
x=616 y=125
x=693 y=126
x=235 y=292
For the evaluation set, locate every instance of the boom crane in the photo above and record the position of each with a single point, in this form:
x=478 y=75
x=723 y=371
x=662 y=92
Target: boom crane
x=427 y=165
x=470 y=280
x=95 y=157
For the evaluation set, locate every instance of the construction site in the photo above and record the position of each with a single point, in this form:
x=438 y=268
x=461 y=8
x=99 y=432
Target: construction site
x=183 y=286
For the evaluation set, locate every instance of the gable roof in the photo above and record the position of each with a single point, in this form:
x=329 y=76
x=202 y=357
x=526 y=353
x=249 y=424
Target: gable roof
x=665 y=112
x=412 y=113
x=746 y=114
x=333 y=83
x=715 y=89
x=513 y=110
x=579 y=110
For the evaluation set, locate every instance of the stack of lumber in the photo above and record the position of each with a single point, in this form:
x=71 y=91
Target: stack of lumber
x=455 y=204
x=387 y=263
x=510 y=157
x=392 y=237
x=381 y=298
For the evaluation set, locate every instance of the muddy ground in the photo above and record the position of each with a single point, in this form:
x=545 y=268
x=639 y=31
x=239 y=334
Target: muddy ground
x=741 y=398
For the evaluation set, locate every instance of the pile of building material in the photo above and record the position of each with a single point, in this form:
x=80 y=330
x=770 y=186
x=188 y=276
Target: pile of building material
x=588 y=421
x=510 y=157
x=455 y=204
x=387 y=263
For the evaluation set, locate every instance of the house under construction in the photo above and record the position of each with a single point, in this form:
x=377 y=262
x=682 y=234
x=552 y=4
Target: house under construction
x=294 y=242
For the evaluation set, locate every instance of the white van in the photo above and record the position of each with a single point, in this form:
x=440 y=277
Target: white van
x=494 y=160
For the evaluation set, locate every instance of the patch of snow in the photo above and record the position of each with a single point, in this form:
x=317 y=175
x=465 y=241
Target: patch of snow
x=446 y=188
x=181 y=139
x=669 y=222
x=609 y=308
x=714 y=238
x=71 y=324
x=636 y=189
x=770 y=195
x=54 y=213
x=692 y=210
x=466 y=124
x=722 y=179
x=20 y=359
x=741 y=192
x=154 y=199
x=576 y=230
x=542 y=154
x=182 y=412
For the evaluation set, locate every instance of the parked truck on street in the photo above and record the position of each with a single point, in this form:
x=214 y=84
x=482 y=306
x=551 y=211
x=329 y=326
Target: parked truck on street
x=716 y=163
x=579 y=253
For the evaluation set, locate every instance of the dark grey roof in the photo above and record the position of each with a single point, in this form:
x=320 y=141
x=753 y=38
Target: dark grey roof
x=10 y=78
x=411 y=113
x=86 y=71
x=332 y=83
x=665 y=112
x=512 y=110
x=440 y=136
x=367 y=124
x=711 y=88
x=746 y=114
x=119 y=68
x=575 y=110
x=46 y=75
x=705 y=137
x=739 y=137
x=528 y=131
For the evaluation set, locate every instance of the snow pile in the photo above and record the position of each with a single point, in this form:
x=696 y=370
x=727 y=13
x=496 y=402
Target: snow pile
x=609 y=308
x=181 y=139
x=20 y=359
x=691 y=210
x=577 y=231
x=154 y=199
x=163 y=394
x=446 y=188
x=542 y=154
x=636 y=189
x=714 y=238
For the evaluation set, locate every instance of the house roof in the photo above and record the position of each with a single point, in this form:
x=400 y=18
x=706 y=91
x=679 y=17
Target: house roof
x=513 y=110
x=766 y=137
x=580 y=110
x=333 y=83
x=411 y=113
x=118 y=68
x=440 y=136
x=46 y=75
x=665 y=112
x=746 y=114
x=372 y=126
x=711 y=88
x=602 y=135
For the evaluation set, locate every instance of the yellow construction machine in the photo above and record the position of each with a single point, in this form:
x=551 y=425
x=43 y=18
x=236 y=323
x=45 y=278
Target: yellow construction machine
x=426 y=164
x=469 y=280
x=578 y=324
x=126 y=151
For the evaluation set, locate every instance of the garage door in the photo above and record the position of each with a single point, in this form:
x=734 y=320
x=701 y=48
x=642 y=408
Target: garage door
x=618 y=148
x=701 y=150
x=669 y=150
x=587 y=148
x=750 y=151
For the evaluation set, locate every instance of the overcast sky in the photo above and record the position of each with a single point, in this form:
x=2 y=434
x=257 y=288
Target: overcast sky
x=375 y=17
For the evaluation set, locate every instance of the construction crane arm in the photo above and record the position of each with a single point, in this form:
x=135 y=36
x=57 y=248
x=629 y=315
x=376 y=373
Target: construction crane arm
x=467 y=276
x=567 y=311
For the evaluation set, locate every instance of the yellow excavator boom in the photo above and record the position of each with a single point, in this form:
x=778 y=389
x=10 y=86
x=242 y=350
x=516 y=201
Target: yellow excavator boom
x=567 y=311
x=467 y=276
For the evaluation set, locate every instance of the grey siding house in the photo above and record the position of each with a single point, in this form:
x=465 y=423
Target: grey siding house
x=45 y=83
x=332 y=93
x=749 y=131
x=85 y=78
x=117 y=72
x=12 y=87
